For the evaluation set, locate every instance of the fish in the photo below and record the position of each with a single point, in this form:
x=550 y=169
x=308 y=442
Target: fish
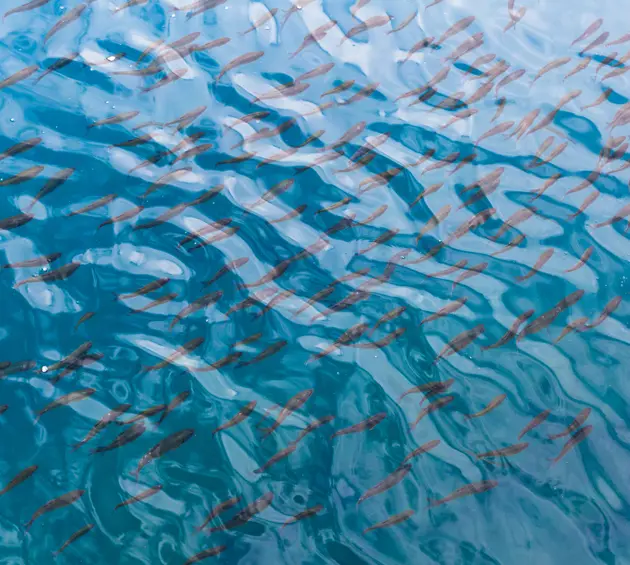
x=157 y=302
x=605 y=95
x=596 y=42
x=263 y=19
x=369 y=23
x=164 y=180
x=513 y=331
x=535 y=422
x=55 y=181
x=292 y=405
x=388 y=482
x=22 y=176
x=383 y=238
x=58 y=65
x=620 y=215
x=110 y=417
x=357 y=6
x=113 y=120
x=146 y=413
x=520 y=216
x=546 y=319
x=210 y=228
x=18 y=76
x=348 y=136
x=424 y=448
x=453 y=269
x=607 y=311
x=456 y=28
x=428 y=190
x=179 y=399
x=240 y=159
x=223 y=362
x=283 y=91
x=587 y=202
x=317 y=35
x=127 y=215
x=404 y=23
x=429 y=389
x=55 y=504
x=577 y=423
x=575 y=439
x=292 y=214
x=294 y=9
x=66 y=399
x=418 y=46
x=20 y=147
x=198 y=304
x=380 y=343
x=94 y=205
x=238 y=61
x=461 y=115
x=248 y=340
x=65 y=20
x=74 y=537
x=579 y=67
x=580 y=324
x=496 y=130
x=127 y=436
x=193 y=152
x=548 y=183
x=146 y=289
x=280 y=297
x=140 y=496
x=22 y=476
x=32 y=5
x=472 y=488
x=432 y=407
x=391 y=315
x=540 y=262
x=219 y=509
x=252 y=300
x=273 y=192
x=556 y=63
x=247 y=513
x=304 y=514
x=240 y=416
x=548 y=119
x=277 y=457
x=167 y=79
x=391 y=521
x=366 y=425
x=87 y=316
x=590 y=30
x=16 y=221
x=228 y=267
x=470 y=44
x=312 y=427
x=181 y=351
x=460 y=341
x=365 y=92
x=72 y=357
x=129 y=4
x=37 y=262
x=353 y=333
x=470 y=272
x=210 y=552
x=504 y=451
x=169 y=443
x=450 y=308
x=497 y=401
x=209 y=45
x=339 y=88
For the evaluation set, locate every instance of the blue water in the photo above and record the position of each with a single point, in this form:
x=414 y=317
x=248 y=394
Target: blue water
x=576 y=510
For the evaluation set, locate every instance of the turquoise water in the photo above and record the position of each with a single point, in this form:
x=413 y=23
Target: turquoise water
x=574 y=510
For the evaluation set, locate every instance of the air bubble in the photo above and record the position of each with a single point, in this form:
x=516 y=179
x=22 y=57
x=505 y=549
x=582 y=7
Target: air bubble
x=44 y=369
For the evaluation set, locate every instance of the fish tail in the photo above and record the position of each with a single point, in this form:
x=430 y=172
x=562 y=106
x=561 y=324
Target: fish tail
x=28 y=525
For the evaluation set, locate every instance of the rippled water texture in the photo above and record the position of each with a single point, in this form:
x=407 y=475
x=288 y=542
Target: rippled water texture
x=234 y=209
